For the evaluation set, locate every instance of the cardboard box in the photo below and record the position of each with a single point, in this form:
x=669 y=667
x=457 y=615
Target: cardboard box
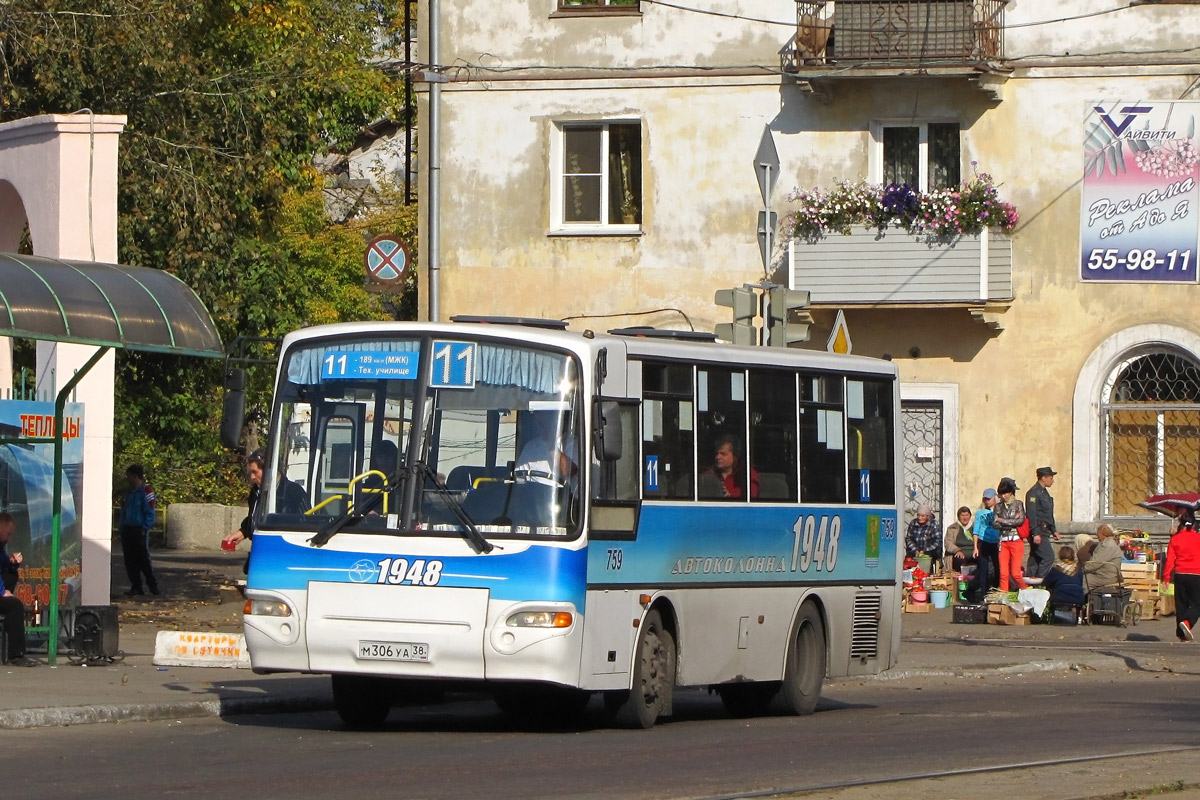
x=1166 y=605
x=1001 y=614
x=917 y=608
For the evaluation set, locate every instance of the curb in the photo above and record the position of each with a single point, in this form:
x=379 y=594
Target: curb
x=1007 y=669
x=19 y=718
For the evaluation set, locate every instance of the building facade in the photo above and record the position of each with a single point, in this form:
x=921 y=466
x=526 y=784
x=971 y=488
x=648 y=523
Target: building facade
x=596 y=162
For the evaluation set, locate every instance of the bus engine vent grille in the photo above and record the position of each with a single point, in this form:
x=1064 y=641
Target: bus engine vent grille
x=864 y=641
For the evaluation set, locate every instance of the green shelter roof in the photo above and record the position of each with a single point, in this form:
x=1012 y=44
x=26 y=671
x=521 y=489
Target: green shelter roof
x=87 y=302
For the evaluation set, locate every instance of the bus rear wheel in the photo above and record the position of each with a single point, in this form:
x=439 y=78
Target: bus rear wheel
x=653 y=678
x=805 y=669
x=361 y=701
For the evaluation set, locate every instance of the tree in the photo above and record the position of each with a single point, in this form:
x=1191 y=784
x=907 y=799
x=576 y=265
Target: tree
x=228 y=102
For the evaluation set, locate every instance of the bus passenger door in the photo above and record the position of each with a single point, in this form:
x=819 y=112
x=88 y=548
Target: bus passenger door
x=339 y=453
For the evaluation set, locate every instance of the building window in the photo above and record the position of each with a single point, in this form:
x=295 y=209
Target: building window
x=1151 y=418
x=578 y=5
x=599 y=180
x=925 y=155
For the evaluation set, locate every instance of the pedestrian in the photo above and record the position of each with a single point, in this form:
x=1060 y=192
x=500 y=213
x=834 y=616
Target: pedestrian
x=1039 y=508
x=1010 y=513
x=137 y=517
x=245 y=531
x=11 y=607
x=924 y=536
x=987 y=547
x=1183 y=571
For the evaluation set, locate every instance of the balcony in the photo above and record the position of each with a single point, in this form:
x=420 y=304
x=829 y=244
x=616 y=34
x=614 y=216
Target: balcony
x=898 y=269
x=889 y=37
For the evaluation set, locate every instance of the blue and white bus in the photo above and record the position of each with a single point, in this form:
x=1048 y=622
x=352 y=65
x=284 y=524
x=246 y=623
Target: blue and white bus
x=509 y=506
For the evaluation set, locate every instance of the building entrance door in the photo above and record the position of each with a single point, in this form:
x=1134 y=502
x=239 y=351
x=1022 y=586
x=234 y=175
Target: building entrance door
x=922 y=433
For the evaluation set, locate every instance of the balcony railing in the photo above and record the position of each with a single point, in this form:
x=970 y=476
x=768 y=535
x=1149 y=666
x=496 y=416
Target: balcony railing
x=896 y=33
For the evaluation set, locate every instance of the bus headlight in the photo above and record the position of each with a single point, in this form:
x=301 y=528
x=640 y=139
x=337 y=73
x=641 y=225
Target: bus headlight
x=541 y=619
x=267 y=608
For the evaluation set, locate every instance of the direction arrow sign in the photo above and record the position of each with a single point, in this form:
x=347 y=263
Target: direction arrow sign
x=766 y=164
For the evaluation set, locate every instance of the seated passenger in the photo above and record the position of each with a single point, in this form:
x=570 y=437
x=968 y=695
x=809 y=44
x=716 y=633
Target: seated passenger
x=727 y=470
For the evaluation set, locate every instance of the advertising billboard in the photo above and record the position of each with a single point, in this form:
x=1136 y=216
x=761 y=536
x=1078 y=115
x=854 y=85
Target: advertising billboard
x=1141 y=184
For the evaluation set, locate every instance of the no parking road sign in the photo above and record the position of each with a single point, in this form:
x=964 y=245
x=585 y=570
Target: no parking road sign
x=386 y=260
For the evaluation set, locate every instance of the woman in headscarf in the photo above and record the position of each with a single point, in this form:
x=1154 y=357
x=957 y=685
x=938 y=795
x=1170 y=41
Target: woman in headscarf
x=1064 y=580
x=960 y=543
x=1085 y=543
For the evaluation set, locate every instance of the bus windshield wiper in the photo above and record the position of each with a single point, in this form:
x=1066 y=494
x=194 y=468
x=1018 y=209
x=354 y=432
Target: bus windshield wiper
x=335 y=525
x=471 y=533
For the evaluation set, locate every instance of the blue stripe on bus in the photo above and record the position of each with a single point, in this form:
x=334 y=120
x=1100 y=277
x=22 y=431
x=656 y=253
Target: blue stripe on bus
x=676 y=545
x=538 y=572
x=697 y=544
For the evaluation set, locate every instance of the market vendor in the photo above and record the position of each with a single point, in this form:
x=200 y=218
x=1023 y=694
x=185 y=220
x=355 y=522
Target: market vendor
x=960 y=542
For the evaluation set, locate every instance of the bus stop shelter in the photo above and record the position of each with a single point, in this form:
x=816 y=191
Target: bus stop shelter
x=107 y=306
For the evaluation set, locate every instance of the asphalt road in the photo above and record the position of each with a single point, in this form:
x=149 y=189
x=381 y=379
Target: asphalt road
x=1046 y=735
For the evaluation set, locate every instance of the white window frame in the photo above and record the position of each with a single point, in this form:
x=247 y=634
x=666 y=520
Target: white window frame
x=558 y=225
x=875 y=151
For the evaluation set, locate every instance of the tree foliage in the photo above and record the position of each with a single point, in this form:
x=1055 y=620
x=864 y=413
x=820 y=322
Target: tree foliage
x=227 y=101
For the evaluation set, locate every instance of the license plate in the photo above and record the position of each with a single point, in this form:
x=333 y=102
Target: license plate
x=394 y=651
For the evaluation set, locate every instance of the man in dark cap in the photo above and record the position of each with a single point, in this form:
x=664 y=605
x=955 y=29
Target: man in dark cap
x=1039 y=508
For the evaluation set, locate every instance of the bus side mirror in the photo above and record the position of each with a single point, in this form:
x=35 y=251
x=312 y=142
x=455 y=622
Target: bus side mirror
x=233 y=410
x=606 y=430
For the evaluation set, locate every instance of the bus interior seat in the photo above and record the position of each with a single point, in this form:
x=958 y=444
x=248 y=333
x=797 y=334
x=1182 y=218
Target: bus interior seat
x=462 y=477
x=466 y=477
x=772 y=486
x=710 y=486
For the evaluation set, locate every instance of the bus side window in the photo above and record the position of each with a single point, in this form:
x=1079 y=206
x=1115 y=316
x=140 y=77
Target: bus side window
x=773 y=436
x=822 y=439
x=869 y=416
x=668 y=432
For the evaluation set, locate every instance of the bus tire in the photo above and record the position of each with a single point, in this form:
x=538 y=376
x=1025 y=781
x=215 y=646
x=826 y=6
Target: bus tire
x=653 y=678
x=804 y=671
x=361 y=701
x=748 y=699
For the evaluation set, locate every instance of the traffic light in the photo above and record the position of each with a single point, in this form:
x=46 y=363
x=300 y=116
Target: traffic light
x=780 y=302
x=744 y=303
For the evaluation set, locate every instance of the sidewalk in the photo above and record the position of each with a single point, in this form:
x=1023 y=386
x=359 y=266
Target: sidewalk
x=200 y=594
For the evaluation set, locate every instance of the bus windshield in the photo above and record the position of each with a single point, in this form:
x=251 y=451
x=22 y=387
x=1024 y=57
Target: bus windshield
x=489 y=437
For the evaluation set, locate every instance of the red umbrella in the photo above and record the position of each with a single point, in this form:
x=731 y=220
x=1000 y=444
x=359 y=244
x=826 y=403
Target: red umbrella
x=1170 y=504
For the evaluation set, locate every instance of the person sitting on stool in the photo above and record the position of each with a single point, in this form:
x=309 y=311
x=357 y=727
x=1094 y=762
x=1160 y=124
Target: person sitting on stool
x=11 y=607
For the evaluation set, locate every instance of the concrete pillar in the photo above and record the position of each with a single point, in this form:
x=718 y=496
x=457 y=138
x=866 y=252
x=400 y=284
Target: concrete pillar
x=59 y=171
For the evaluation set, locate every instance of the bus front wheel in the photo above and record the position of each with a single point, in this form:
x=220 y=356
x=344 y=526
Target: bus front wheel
x=361 y=702
x=653 y=678
x=805 y=669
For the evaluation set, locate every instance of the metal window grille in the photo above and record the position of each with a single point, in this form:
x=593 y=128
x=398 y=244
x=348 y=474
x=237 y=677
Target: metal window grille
x=1150 y=414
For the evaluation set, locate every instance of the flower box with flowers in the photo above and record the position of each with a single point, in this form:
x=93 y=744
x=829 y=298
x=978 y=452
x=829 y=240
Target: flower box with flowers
x=861 y=243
